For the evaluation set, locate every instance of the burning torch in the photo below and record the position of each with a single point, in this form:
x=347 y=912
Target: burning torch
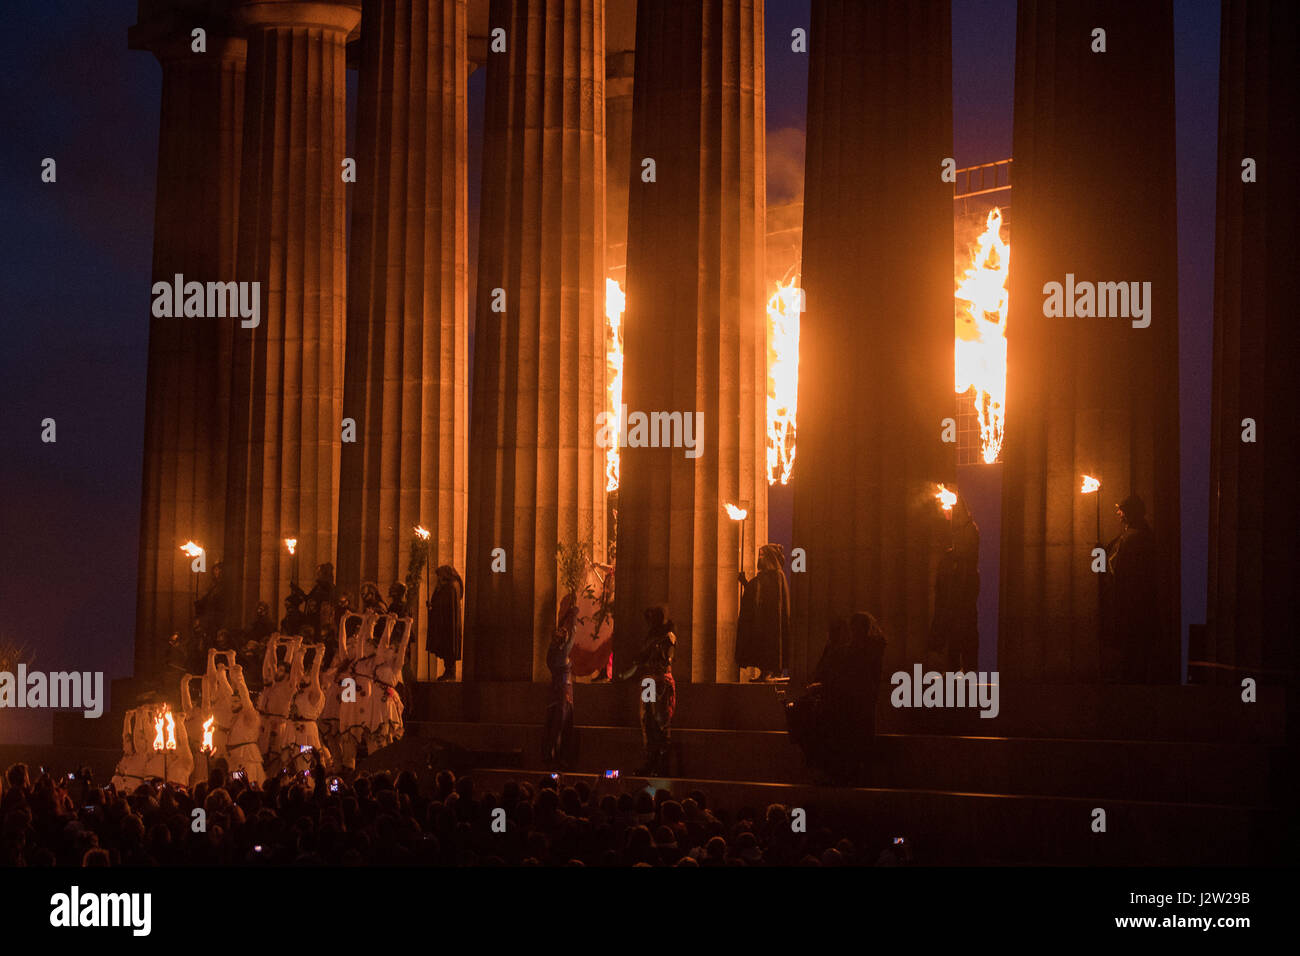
x=164 y=738
x=1091 y=486
x=208 y=729
x=197 y=565
x=739 y=514
x=424 y=535
x=947 y=499
x=292 y=545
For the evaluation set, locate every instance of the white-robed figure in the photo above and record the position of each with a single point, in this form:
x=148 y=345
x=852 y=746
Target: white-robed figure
x=137 y=739
x=244 y=752
x=277 y=691
x=194 y=720
x=355 y=676
x=385 y=724
x=331 y=685
x=218 y=699
x=301 y=735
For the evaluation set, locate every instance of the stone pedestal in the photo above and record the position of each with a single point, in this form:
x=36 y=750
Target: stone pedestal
x=537 y=475
x=407 y=368
x=1094 y=198
x=187 y=393
x=287 y=374
x=695 y=341
x=876 y=342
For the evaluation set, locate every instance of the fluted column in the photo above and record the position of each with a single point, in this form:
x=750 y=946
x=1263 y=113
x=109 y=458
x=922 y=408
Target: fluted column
x=876 y=342
x=1088 y=394
x=1253 y=506
x=287 y=373
x=619 y=66
x=695 y=338
x=539 y=376
x=187 y=396
x=407 y=377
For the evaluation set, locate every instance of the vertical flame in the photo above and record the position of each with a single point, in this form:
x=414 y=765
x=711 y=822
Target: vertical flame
x=208 y=728
x=164 y=726
x=782 y=379
x=982 y=301
x=615 y=303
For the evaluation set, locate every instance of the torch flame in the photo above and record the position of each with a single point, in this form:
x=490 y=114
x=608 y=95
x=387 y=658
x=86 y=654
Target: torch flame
x=164 y=726
x=291 y=544
x=982 y=302
x=422 y=532
x=615 y=304
x=736 y=514
x=946 y=498
x=192 y=549
x=1090 y=484
x=783 y=313
x=208 y=728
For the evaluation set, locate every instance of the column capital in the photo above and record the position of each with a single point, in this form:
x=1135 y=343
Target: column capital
x=341 y=15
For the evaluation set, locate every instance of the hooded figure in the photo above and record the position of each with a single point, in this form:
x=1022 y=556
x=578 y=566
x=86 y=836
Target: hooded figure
x=763 y=630
x=954 y=629
x=444 y=627
x=292 y=622
x=1131 y=631
x=835 y=721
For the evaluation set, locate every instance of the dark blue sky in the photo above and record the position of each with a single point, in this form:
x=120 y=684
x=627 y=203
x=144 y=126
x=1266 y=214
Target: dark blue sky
x=75 y=290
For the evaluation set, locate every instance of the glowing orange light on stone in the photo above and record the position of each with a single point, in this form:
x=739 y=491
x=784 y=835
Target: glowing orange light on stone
x=982 y=302
x=615 y=304
x=783 y=314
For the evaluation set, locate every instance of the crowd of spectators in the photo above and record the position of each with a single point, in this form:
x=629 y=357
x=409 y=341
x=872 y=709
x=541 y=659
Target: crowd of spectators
x=382 y=819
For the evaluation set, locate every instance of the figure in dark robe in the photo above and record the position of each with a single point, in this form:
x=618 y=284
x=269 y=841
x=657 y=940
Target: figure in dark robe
x=1131 y=626
x=954 y=629
x=210 y=609
x=293 y=620
x=397 y=599
x=834 y=722
x=763 y=629
x=262 y=626
x=658 y=699
x=323 y=593
x=444 y=628
x=559 y=743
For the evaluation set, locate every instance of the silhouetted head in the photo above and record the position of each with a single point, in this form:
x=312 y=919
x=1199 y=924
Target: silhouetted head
x=1132 y=510
x=771 y=557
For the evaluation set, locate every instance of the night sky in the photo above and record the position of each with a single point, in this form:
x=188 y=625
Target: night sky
x=75 y=290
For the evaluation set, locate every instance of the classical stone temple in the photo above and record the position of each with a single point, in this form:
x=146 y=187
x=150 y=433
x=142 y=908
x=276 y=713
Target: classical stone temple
x=1255 y=440
x=876 y=343
x=695 y=340
x=1088 y=394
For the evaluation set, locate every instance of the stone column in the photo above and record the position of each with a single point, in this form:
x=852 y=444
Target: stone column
x=695 y=341
x=287 y=373
x=187 y=392
x=876 y=343
x=620 y=59
x=1095 y=198
x=407 y=376
x=1253 y=509
x=537 y=475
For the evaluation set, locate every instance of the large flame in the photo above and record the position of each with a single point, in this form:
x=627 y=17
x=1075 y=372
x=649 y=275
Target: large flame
x=208 y=729
x=946 y=499
x=782 y=379
x=1090 y=484
x=164 y=726
x=615 y=303
x=982 y=301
